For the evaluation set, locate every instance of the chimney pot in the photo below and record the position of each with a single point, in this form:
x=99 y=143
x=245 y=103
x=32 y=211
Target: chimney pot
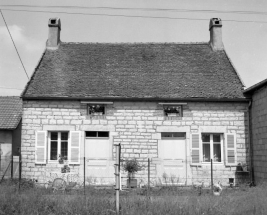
x=215 y=28
x=53 y=33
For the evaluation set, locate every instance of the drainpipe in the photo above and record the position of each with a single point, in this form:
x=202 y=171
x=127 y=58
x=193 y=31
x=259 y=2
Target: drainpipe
x=252 y=183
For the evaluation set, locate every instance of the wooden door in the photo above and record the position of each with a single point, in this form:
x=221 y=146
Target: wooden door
x=99 y=165
x=172 y=154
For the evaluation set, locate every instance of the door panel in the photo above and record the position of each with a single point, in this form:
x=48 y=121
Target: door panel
x=172 y=169
x=99 y=166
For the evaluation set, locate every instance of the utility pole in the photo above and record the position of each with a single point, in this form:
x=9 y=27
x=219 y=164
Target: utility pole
x=117 y=177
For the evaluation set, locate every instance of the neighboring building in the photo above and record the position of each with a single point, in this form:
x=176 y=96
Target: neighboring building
x=10 y=130
x=258 y=128
x=181 y=104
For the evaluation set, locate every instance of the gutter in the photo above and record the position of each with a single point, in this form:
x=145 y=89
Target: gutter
x=252 y=178
x=139 y=99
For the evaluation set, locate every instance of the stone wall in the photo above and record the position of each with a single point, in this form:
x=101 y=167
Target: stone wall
x=137 y=126
x=259 y=133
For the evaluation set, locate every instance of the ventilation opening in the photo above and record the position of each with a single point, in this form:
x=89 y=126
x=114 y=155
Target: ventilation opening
x=217 y=22
x=53 y=21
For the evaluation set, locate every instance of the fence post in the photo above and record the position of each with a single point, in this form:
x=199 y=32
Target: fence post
x=211 y=173
x=19 y=166
x=0 y=156
x=148 y=161
x=84 y=175
x=117 y=176
x=12 y=165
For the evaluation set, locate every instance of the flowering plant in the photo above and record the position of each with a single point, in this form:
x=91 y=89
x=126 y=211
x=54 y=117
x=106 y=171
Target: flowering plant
x=172 y=109
x=61 y=159
x=95 y=109
x=132 y=166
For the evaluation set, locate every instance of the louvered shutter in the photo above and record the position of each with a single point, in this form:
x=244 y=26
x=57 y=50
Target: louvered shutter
x=230 y=149
x=195 y=144
x=40 y=147
x=74 y=147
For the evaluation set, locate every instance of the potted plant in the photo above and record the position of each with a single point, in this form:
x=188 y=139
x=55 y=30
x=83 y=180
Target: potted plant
x=63 y=160
x=131 y=166
x=96 y=109
x=172 y=110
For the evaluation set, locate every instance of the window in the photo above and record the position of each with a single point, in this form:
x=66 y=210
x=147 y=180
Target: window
x=172 y=135
x=96 y=109
x=171 y=111
x=221 y=148
x=98 y=134
x=50 y=144
x=58 y=145
x=212 y=147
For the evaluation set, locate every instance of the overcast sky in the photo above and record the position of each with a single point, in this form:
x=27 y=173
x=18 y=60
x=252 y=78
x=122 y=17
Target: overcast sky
x=244 y=42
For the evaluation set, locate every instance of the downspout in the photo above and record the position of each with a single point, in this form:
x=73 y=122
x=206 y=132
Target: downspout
x=252 y=182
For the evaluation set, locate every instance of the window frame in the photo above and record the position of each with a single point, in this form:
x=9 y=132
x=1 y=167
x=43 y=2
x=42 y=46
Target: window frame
x=97 y=135
x=180 y=107
x=211 y=147
x=58 y=144
x=104 y=113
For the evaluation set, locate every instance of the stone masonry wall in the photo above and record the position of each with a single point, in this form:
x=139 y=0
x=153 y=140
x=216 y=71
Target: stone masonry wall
x=259 y=133
x=137 y=126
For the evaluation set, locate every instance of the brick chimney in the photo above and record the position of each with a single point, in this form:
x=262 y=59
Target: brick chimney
x=54 y=27
x=216 y=34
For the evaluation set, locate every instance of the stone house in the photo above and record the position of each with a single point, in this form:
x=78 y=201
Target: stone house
x=10 y=131
x=180 y=104
x=258 y=129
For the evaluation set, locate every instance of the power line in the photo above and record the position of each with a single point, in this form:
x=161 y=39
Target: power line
x=10 y=88
x=14 y=44
x=131 y=16
x=143 y=9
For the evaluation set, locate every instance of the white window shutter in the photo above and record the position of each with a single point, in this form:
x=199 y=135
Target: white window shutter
x=40 y=147
x=74 y=147
x=196 y=149
x=230 y=149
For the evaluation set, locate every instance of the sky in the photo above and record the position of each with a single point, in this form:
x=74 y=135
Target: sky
x=245 y=39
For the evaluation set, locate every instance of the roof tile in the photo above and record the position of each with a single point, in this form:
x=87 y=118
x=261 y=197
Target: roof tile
x=136 y=70
x=10 y=112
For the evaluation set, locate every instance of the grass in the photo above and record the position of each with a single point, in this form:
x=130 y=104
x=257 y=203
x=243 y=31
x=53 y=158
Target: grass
x=162 y=201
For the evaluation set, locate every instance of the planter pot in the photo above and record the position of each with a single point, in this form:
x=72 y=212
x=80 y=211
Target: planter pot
x=172 y=114
x=97 y=113
x=132 y=183
x=216 y=193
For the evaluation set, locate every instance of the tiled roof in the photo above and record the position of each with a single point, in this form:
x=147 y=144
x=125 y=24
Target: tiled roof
x=10 y=112
x=135 y=70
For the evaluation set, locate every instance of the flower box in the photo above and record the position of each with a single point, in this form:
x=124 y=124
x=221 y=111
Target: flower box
x=171 y=114
x=97 y=113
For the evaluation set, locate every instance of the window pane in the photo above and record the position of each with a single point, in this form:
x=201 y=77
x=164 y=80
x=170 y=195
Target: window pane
x=64 y=135
x=206 y=152
x=178 y=134
x=206 y=138
x=166 y=134
x=53 y=152
x=91 y=134
x=64 y=150
x=103 y=134
x=217 y=138
x=217 y=152
x=53 y=135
